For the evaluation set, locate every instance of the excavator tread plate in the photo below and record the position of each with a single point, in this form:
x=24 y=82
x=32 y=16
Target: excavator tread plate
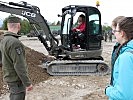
x=77 y=67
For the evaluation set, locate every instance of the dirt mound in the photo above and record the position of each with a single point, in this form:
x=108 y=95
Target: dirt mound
x=36 y=73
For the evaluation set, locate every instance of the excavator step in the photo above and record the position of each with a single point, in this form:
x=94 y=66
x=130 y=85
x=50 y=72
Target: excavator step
x=77 y=67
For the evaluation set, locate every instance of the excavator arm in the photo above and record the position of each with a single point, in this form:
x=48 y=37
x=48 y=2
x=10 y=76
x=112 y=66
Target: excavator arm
x=32 y=13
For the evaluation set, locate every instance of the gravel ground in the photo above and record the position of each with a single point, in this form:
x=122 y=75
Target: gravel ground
x=48 y=87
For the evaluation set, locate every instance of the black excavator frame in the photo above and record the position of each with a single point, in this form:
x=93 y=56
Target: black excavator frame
x=69 y=61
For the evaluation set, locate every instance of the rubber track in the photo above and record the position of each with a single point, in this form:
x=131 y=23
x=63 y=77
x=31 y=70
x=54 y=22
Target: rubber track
x=64 y=62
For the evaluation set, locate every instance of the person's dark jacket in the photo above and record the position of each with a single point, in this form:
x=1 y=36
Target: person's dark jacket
x=14 y=64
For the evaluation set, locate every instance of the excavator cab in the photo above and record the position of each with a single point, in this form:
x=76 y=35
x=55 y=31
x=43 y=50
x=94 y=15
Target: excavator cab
x=89 y=41
x=87 y=59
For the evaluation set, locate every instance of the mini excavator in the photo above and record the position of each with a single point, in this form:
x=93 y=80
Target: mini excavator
x=85 y=60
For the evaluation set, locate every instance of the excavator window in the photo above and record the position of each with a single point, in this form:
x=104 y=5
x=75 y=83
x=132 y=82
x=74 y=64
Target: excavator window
x=94 y=24
x=66 y=24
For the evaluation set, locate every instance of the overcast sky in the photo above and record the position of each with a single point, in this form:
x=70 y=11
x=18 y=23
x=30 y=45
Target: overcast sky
x=109 y=8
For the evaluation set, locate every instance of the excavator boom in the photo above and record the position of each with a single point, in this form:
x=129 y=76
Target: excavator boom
x=32 y=13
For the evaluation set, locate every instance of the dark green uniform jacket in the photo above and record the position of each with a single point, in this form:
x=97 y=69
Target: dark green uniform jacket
x=13 y=59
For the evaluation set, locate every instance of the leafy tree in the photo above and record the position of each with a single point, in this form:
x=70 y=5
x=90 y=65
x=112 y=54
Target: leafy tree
x=106 y=28
x=25 y=26
x=58 y=23
x=53 y=23
x=4 y=26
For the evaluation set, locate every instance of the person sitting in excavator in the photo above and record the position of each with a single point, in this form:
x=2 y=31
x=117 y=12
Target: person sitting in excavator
x=81 y=24
x=78 y=29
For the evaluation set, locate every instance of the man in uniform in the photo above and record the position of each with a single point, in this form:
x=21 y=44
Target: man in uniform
x=14 y=65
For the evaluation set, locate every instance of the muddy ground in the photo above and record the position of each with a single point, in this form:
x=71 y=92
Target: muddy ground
x=48 y=87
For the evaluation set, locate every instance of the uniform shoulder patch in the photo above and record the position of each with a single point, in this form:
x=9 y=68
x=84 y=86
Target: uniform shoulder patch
x=18 y=50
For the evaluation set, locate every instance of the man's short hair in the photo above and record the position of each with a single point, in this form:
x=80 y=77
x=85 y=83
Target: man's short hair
x=13 y=19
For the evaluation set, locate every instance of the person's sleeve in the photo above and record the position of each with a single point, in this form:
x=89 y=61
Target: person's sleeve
x=123 y=88
x=113 y=93
x=82 y=27
x=74 y=29
x=17 y=55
